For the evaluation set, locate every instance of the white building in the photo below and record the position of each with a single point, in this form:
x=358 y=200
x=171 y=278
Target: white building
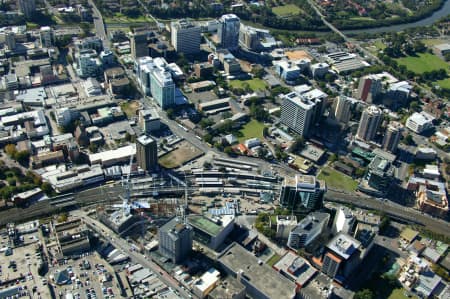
x=419 y=122
x=307 y=230
x=285 y=224
x=185 y=37
x=344 y=221
x=206 y=283
x=92 y=87
x=300 y=111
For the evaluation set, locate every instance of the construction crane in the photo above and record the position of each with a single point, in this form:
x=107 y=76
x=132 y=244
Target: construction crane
x=127 y=190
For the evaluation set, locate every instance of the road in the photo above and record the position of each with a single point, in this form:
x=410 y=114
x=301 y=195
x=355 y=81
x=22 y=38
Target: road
x=99 y=24
x=136 y=257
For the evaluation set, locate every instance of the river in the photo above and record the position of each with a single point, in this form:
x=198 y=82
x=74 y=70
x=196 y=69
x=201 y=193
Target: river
x=442 y=12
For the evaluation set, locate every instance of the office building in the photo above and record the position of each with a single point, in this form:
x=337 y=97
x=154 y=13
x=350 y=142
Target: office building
x=162 y=88
x=419 y=122
x=139 y=43
x=302 y=193
x=371 y=119
x=146 y=153
x=431 y=196
x=248 y=37
x=319 y=70
x=300 y=111
x=287 y=70
x=379 y=177
x=89 y=43
x=342 y=256
x=88 y=64
x=186 y=37
x=369 y=88
x=228 y=31
x=10 y=40
x=344 y=221
x=46 y=37
x=175 y=240
x=342 y=111
x=149 y=120
x=27 y=7
x=307 y=230
x=392 y=136
x=212 y=231
x=284 y=225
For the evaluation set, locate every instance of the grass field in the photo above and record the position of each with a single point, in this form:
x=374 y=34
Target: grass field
x=362 y=19
x=337 y=180
x=254 y=84
x=286 y=10
x=423 y=62
x=444 y=83
x=251 y=130
x=399 y=294
x=433 y=41
x=120 y=18
x=183 y=154
x=273 y=259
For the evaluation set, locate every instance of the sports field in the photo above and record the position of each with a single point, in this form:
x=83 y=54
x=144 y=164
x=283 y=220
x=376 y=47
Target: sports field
x=423 y=62
x=254 y=84
x=253 y=129
x=286 y=10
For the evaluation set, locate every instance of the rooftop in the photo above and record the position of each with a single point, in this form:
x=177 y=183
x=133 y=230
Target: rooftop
x=296 y=268
x=145 y=140
x=266 y=280
x=344 y=245
x=204 y=224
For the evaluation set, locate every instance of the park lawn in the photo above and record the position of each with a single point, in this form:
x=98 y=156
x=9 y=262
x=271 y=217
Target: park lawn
x=399 y=294
x=286 y=10
x=379 y=44
x=253 y=129
x=362 y=19
x=121 y=18
x=423 y=62
x=337 y=180
x=254 y=84
x=273 y=260
x=444 y=83
x=433 y=41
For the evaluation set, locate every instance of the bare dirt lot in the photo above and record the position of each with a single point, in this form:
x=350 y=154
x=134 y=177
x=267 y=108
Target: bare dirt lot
x=184 y=153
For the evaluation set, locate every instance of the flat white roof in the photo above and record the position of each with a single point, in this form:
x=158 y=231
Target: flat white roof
x=121 y=152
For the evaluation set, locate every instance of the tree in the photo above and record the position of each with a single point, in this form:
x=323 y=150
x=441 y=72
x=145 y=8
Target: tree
x=265 y=131
x=170 y=113
x=228 y=150
x=47 y=188
x=409 y=140
x=22 y=157
x=298 y=145
x=332 y=158
x=364 y=294
x=10 y=150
